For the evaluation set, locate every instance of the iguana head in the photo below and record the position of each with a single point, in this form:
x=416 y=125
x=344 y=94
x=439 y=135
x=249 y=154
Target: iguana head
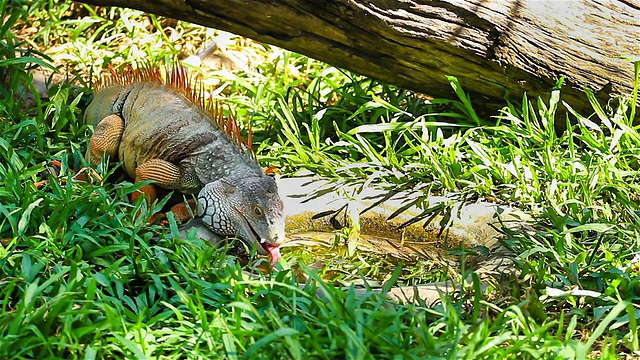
x=247 y=208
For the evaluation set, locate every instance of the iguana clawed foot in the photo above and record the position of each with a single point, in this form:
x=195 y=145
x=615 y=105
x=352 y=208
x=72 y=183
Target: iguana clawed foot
x=182 y=212
x=54 y=167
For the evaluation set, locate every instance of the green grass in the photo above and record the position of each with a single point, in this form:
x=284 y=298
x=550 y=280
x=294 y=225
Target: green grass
x=82 y=277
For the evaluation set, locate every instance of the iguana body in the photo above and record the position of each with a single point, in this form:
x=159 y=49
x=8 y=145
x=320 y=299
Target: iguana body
x=161 y=129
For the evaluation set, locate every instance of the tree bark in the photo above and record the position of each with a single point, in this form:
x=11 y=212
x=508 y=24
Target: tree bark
x=491 y=46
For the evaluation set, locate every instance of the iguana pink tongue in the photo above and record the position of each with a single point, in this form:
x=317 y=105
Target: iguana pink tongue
x=274 y=252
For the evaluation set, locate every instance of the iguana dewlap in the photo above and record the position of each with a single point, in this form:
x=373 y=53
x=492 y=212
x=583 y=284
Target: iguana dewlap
x=161 y=130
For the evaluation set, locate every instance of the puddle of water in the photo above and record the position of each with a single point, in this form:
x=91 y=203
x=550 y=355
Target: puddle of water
x=382 y=247
x=426 y=255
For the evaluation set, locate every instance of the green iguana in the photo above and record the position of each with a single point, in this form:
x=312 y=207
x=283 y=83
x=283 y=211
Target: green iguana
x=162 y=129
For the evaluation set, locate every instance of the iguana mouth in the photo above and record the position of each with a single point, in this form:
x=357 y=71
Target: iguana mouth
x=272 y=250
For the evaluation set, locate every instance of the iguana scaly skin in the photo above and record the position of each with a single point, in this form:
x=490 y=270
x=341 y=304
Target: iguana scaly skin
x=161 y=129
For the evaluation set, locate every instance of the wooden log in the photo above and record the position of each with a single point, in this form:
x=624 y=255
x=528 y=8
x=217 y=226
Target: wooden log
x=491 y=46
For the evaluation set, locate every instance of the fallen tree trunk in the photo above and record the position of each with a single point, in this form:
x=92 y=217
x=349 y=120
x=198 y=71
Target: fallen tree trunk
x=491 y=46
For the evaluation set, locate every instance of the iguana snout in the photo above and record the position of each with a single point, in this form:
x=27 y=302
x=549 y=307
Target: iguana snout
x=248 y=208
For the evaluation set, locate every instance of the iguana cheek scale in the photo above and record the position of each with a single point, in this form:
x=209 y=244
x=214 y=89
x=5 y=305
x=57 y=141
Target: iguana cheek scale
x=162 y=129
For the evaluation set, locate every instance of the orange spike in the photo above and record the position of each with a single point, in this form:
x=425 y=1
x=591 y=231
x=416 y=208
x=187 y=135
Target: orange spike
x=178 y=79
x=272 y=170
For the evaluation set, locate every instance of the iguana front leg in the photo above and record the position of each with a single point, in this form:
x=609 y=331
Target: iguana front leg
x=105 y=139
x=169 y=176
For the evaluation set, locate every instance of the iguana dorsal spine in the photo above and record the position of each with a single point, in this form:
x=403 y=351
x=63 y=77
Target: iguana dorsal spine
x=178 y=78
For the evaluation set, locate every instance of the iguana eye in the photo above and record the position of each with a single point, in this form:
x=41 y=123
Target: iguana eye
x=257 y=210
